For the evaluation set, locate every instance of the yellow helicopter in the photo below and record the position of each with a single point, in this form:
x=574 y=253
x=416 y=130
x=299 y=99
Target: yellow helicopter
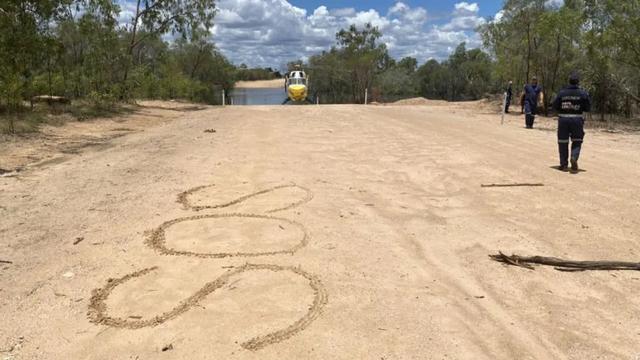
x=296 y=87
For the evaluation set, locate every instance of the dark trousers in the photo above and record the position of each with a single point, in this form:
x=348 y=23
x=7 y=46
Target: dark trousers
x=530 y=114
x=507 y=104
x=570 y=128
x=529 y=119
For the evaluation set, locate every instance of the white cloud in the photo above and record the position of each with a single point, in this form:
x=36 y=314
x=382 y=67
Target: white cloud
x=343 y=12
x=466 y=9
x=465 y=17
x=273 y=32
x=399 y=8
x=369 y=17
x=464 y=23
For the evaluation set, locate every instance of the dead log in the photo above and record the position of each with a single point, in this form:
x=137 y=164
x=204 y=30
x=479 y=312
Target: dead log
x=564 y=265
x=50 y=99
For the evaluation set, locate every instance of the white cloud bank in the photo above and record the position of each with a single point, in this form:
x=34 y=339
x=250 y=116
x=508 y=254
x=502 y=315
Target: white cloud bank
x=273 y=32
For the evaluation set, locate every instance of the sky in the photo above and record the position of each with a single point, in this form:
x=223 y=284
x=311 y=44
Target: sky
x=270 y=33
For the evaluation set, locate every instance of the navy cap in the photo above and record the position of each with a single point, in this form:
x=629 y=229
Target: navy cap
x=574 y=78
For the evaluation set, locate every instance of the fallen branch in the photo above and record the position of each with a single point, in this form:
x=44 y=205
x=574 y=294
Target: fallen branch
x=511 y=185
x=6 y=262
x=564 y=265
x=49 y=99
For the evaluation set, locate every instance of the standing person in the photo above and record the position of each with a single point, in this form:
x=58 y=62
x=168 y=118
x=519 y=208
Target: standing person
x=509 y=97
x=571 y=103
x=531 y=96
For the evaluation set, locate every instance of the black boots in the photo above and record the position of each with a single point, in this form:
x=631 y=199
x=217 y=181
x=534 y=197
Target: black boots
x=574 y=165
x=529 y=119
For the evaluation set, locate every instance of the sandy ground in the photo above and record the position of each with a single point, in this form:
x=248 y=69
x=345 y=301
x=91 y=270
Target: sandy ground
x=56 y=143
x=261 y=84
x=331 y=232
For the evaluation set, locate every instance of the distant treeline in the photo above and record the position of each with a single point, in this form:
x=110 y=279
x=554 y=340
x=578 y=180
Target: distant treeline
x=246 y=74
x=359 y=61
x=598 y=38
x=77 y=49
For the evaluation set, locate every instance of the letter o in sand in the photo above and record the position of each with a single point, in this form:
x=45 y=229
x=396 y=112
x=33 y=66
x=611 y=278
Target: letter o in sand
x=250 y=235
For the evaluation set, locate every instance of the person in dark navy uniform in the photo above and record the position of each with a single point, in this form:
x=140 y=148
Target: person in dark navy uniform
x=571 y=104
x=531 y=97
x=509 y=97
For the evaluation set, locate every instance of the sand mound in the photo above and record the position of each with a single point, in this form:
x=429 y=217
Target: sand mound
x=420 y=101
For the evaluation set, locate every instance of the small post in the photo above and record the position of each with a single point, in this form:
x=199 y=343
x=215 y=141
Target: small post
x=231 y=98
x=318 y=100
x=366 y=96
x=223 y=97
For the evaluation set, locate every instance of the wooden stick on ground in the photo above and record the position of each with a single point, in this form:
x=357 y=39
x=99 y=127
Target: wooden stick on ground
x=564 y=265
x=512 y=185
x=6 y=262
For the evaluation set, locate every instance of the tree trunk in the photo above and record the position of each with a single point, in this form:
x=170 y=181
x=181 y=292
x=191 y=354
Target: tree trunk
x=134 y=31
x=603 y=102
x=554 y=78
x=197 y=62
x=528 y=51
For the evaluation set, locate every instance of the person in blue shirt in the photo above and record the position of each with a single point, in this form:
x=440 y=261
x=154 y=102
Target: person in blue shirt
x=571 y=104
x=531 y=96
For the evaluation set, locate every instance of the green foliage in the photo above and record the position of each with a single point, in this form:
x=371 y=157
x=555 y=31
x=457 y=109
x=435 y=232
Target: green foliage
x=396 y=80
x=599 y=38
x=343 y=73
x=77 y=49
x=329 y=77
x=257 y=74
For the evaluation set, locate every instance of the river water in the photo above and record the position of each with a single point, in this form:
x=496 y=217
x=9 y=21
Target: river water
x=269 y=96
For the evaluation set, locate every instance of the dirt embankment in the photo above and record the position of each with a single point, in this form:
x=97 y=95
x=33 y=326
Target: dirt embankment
x=53 y=144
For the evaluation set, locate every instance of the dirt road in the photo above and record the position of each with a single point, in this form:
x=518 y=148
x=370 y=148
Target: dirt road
x=332 y=232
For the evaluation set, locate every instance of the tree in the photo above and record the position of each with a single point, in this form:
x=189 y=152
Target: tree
x=77 y=49
x=409 y=64
x=624 y=32
x=397 y=80
x=24 y=32
x=596 y=37
x=187 y=18
x=363 y=56
x=329 y=77
x=433 y=80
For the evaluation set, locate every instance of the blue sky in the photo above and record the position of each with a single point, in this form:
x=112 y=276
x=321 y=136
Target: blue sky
x=270 y=33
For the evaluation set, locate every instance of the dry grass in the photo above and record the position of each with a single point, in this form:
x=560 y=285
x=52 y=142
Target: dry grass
x=28 y=120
